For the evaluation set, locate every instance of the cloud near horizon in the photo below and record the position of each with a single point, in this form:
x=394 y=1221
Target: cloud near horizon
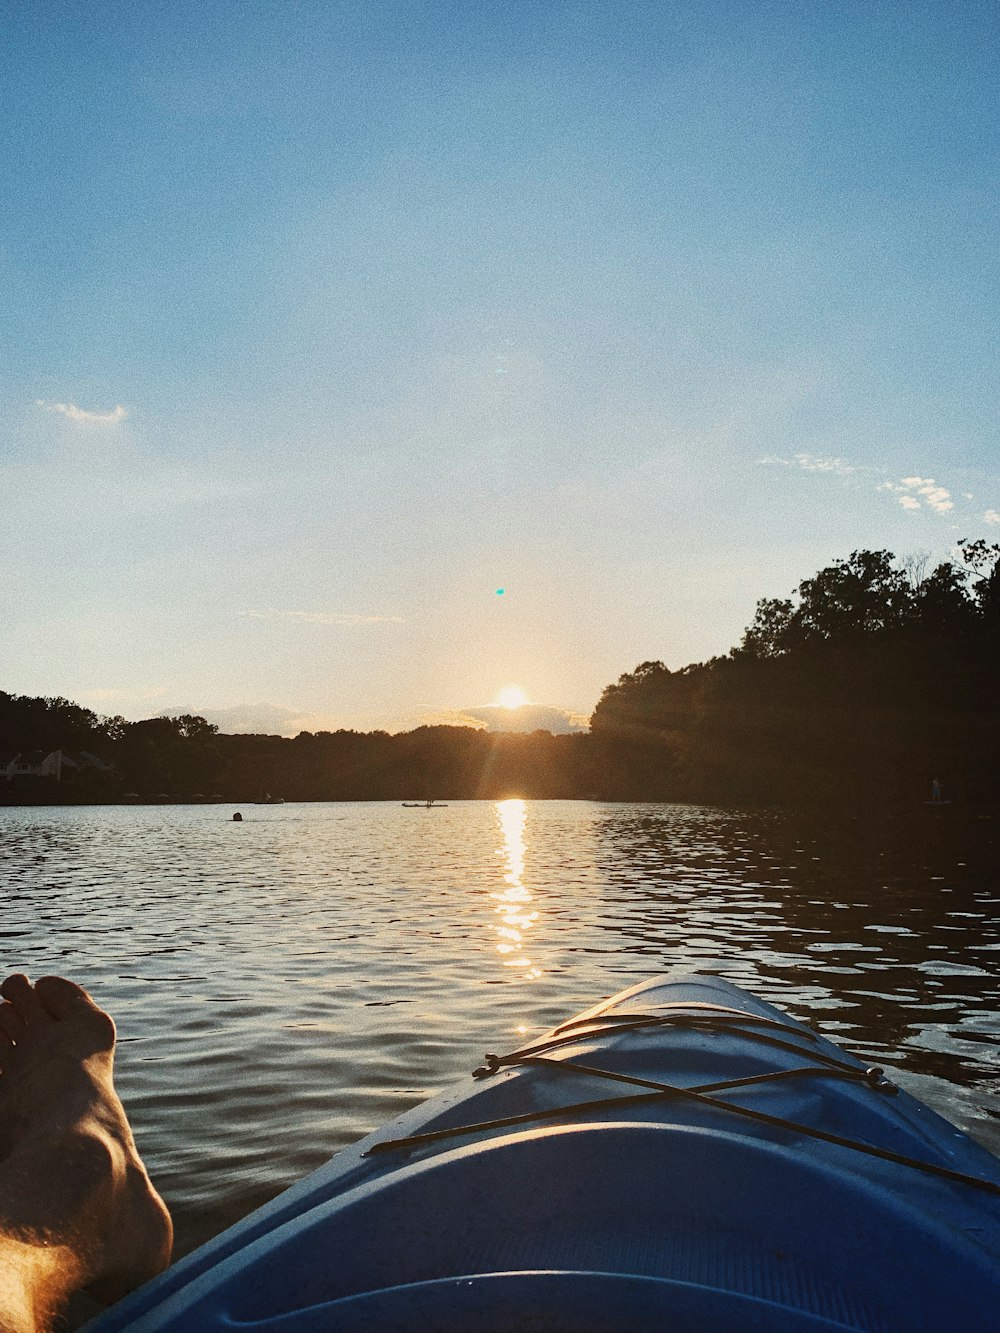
x=252 y=719
x=80 y=415
x=323 y=617
x=274 y=720
x=529 y=717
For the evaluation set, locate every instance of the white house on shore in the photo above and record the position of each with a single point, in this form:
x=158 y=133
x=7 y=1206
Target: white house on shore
x=56 y=764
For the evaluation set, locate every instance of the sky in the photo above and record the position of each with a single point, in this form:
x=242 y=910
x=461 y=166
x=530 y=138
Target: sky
x=359 y=361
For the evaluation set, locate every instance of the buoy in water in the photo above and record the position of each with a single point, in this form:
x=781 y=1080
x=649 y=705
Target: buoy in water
x=238 y=817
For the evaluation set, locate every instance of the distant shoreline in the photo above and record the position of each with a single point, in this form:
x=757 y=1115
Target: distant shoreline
x=860 y=809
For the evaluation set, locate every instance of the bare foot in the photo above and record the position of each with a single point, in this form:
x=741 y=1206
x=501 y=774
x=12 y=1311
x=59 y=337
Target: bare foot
x=70 y=1175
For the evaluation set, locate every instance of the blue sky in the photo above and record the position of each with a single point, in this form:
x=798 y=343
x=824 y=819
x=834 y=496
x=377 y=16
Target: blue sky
x=325 y=321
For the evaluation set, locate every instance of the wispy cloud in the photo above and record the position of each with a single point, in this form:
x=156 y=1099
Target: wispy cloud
x=817 y=463
x=914 y=492
x=813 y=463
x=323 y=617
x=80 y=415
x=991 y=516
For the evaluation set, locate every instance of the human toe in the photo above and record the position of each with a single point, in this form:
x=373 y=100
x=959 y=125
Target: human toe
x=20 y=993
x=62 y=998
x=65 y=1001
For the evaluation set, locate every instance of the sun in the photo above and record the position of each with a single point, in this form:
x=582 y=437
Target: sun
x=511 y=696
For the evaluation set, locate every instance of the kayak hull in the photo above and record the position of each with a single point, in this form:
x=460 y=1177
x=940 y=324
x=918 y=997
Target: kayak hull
x=658 y=1211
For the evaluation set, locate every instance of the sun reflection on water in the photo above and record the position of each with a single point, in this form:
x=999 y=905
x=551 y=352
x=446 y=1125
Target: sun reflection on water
x=516 y=916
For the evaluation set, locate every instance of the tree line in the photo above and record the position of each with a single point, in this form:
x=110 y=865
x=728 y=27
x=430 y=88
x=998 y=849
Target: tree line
x=874 y=679
x=186 y=758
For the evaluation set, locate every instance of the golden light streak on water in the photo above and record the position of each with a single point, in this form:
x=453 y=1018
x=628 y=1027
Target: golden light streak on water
x=516 y=917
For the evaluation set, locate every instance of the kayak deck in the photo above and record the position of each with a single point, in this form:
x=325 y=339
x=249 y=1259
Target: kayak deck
x=543 y=1194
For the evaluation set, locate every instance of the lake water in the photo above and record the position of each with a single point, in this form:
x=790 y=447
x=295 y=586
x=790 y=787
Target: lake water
x=285 y=984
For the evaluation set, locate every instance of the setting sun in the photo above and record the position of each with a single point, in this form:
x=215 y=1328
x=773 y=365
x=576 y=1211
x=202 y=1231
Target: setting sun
x=511 y=696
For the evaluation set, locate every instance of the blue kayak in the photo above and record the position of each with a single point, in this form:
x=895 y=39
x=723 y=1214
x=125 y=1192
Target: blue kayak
x=682 y=1157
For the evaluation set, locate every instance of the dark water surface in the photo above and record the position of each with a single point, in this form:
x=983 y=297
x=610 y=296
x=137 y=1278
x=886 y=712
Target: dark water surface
x=285 y=984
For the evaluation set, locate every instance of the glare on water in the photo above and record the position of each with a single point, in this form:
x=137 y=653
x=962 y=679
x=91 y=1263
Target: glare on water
x=514 y=901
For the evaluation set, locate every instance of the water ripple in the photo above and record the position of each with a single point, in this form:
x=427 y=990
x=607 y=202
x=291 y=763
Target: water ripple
x=285 y=984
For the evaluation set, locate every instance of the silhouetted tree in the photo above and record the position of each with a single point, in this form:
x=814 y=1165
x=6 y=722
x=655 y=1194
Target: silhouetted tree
x=871 y=676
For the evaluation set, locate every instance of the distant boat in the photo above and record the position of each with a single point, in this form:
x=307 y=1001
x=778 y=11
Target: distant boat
x=426 y=805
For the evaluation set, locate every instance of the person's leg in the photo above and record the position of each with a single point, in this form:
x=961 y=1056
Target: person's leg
x=77 y=1208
